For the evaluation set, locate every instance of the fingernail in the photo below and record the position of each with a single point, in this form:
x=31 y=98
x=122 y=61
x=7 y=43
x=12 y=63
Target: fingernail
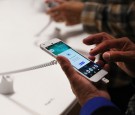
x=106 y=56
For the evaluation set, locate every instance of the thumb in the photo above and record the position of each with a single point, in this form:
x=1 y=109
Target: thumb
x=117 y=56
x=66 y=67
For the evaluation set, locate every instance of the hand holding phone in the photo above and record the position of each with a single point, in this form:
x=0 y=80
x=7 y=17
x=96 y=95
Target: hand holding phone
x=83 y=89
x=82 y=65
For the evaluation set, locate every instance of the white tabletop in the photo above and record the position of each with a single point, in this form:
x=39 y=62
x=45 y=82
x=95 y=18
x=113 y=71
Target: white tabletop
x=44 y=91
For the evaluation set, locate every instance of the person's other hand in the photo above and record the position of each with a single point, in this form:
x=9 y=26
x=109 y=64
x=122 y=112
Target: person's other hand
x=121 y=51
x=81 y=87
x=67 y=11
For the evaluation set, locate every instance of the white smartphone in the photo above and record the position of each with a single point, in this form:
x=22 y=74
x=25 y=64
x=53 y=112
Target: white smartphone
x=84 y=66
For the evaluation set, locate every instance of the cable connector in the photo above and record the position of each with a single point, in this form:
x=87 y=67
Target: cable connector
x=105 y=80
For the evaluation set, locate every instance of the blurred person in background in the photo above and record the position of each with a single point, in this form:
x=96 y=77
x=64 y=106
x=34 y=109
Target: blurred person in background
x=116 y=17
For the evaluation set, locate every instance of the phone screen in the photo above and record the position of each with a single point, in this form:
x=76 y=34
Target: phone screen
x=82 y=64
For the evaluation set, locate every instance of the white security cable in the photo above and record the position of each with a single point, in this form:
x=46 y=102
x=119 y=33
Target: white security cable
x=30 y=68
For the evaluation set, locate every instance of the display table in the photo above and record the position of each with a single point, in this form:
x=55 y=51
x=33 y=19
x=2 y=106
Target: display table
x=43 y=91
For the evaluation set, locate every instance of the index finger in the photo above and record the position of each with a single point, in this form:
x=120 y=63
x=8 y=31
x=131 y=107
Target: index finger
x=97 y=38
x=107 y=45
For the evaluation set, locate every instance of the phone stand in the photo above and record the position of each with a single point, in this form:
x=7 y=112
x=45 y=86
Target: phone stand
x=6 y=85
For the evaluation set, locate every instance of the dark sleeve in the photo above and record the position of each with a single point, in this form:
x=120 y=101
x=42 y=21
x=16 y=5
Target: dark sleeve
x=99 y=106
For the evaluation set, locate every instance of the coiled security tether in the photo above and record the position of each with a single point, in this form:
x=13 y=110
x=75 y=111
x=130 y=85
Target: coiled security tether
x=6 y=81
x=30 y=68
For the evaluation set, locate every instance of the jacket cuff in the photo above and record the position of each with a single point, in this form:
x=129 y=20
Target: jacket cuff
x=94 y=104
